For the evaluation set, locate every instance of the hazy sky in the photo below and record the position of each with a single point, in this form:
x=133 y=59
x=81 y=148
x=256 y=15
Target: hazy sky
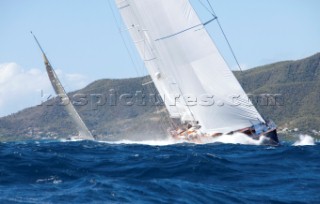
x=83 y=43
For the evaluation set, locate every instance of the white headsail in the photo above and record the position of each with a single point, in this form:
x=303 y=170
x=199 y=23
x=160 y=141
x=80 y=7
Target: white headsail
x=84 y=132
x=182 y=59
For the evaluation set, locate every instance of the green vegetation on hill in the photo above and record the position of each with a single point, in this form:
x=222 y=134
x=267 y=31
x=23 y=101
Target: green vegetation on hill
x=100 y=107
x=296 y=85
x=287 y=92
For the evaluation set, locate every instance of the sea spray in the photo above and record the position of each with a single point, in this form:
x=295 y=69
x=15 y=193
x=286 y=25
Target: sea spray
x=236 y=138
x=163 y=142
x=304 y=140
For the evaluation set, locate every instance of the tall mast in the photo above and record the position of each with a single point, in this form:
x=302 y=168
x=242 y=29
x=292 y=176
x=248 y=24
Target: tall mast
x=84 y=132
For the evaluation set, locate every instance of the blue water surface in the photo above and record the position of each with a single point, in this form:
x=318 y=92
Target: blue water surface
x=92 y=172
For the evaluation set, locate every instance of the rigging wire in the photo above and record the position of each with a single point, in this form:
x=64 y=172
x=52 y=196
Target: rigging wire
x=123 y=39
x=150 y=88
x=211 y=10
x=164 y=120
x=155 y=50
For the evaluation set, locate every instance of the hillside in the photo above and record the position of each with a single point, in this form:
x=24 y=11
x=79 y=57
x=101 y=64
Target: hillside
x=297 y=84
x=102 y=114
x=287 y=92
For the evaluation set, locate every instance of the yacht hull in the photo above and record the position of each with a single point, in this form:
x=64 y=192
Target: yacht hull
x=273 y=137
x=269 y=137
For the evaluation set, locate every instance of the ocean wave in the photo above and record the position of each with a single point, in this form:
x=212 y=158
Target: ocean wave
x=100 y=172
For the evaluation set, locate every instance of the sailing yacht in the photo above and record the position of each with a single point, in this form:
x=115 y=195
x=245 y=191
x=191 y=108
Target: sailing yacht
x=184 y=62
x=83 y=131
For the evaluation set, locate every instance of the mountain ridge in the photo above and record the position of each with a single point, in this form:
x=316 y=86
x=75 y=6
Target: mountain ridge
x=287 y=92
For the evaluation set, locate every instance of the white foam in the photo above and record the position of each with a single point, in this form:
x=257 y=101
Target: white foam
x=163 y=142
x=53 y=179
x=305 y=140
x=237 y=138
x=72 y=140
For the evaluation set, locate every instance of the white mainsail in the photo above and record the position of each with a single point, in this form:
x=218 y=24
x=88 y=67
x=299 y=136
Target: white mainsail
x=165 y=84
x=84 y=132
x=182 y=59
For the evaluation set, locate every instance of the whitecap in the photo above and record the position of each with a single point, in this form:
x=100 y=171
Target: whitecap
x=239 y=138
x=236 y=138
x=305 y=140
x=163 y=142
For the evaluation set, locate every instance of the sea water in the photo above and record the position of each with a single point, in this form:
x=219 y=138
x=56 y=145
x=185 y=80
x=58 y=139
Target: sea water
x=223 y=171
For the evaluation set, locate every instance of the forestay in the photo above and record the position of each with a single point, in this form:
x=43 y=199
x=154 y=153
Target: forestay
x=183 y=60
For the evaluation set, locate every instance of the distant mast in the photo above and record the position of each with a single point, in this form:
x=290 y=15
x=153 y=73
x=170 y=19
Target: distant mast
x=84 y=132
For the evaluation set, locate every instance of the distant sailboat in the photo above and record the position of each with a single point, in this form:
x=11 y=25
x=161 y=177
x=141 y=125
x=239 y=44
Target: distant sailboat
x=184 y=62
x=84 y=133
